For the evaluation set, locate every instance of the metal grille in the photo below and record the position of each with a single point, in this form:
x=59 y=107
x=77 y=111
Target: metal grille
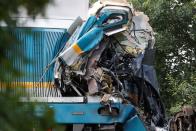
x=39 y=46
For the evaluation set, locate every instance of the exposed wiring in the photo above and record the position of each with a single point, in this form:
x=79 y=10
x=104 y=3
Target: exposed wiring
x=134 y=32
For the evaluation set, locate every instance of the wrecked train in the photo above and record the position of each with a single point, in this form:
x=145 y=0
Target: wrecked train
x=103 y=77
x=103 y=74
x=110 y=56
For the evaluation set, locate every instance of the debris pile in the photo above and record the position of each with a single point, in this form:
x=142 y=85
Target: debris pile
x=185 y=120
x=111 y=54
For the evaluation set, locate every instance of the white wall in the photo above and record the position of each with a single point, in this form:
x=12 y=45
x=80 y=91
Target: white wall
x=60 y=14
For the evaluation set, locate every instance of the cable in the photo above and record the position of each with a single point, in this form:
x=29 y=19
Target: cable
x=48 y=66
x=134 y=30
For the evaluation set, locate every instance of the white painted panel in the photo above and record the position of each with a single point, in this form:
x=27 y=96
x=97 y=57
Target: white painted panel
x=59 y=14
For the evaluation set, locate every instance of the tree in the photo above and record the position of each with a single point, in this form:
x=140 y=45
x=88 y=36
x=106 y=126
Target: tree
x=14 y=115
x=174 y=22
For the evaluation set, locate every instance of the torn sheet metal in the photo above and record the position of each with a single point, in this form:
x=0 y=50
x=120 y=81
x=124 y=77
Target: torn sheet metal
x=75 y=50
x=93 y=72
x=102 y=3
x=108 y=57
x=142 y=31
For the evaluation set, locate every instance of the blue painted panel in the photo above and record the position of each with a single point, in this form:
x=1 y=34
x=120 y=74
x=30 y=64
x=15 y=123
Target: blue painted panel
x=134 y=124
x=91 y=39
x=40 y=46
x=87 y=25
x=88 y=113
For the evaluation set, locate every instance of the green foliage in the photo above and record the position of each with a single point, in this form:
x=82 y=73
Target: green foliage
x=180 y=93
x=8 y=42
x=15 y=115
x=174 y=22
x=8 y=8
x=18 y=116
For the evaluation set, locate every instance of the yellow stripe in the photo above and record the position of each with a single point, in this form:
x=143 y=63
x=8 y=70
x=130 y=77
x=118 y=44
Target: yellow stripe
x=27 y=84
x=77 y=48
